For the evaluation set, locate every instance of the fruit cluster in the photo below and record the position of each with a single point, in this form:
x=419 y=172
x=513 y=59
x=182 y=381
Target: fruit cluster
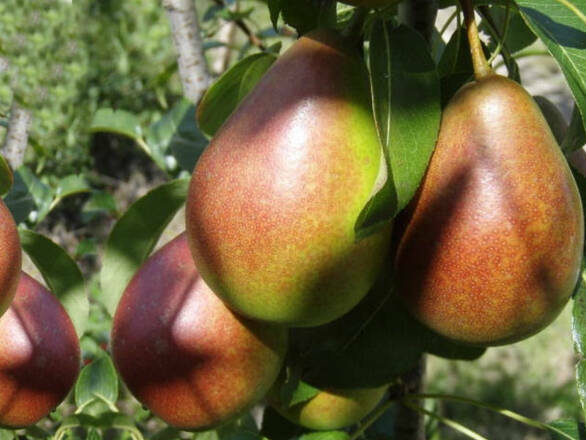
x=487 y=253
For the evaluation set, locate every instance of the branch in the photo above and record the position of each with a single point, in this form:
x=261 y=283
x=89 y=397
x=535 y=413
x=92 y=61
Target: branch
x=409 y=423
x=252 y=38
x=16 y=139
x=189 y=44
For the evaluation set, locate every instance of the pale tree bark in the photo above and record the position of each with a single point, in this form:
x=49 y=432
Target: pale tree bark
x=222 y=54
x=189 y=45
x=16 y=139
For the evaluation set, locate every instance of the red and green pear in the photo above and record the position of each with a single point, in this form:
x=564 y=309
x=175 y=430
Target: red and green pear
x=492 y=249
x=39 y=355
x=333 y=409
x=10 y=257
x=183 y=353
x=274 y=199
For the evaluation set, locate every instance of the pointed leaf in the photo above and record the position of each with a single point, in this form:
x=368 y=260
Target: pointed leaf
x=225 y=94
x=134 y=236
x=6 y=176
x=97 y=381
x=576 y=135
x=407 y=111
x=61 y=274
x=116 y=121
x=561 y=25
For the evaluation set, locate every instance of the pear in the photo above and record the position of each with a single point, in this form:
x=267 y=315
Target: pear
x=493 y=245
x=39 y=355
x=182 y=353
x=10 y=257
x=332 y=409
x=274 y=199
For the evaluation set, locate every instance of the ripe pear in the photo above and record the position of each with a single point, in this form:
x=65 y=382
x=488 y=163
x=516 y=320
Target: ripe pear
x=183 y=353
x=332 y=409
x=274 y=199
x=492 y=249
x=10 y=257
x=39 y=355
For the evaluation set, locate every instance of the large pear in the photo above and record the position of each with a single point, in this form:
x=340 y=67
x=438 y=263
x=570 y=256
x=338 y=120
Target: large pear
x=493 y=247
x=39 y=355
x=183 y=353
x=10 y=257
x=274 y=199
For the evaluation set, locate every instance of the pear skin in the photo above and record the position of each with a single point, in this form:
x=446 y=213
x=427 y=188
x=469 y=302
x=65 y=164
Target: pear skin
x=493 y=246
x=333 y=409
x=39 y=355
x=10 y=257
x=274 y=199
x=183 y=353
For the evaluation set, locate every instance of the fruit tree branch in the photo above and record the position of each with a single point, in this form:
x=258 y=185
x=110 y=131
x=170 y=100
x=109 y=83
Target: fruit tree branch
x=189 y=44
x=16 y=139
x=409 y=423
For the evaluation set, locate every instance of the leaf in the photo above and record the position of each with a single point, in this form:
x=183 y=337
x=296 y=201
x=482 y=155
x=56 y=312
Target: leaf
x=61 y=274
x=97 y=381
x=327 y=435
x=294 y=390
x=275 y=11
x=575 y=136
x=68 y=186
x=19 y=199
x=571 y=428
x=306 y=15
x=133 y=237
x=518 y=37
x=41 y=194
x=6 y=434
x=581 y=383
x=104 y=420
x=116 y=121
x=176 y=134
x=563 y=31
x=6 y=176
x=579 y=334
x=229 y=90
x=406 y=96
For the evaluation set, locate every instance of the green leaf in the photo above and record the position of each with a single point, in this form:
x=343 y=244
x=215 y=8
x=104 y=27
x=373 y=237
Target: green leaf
x=302 y=393
x=327 y=435
x=104 y=420
x=97 y=381
x=7 y=435
x=61 y=274
x=176 y=134
x=68 y=186
x=556 y=121
x=575 y=136
x=6 y=176
x=563 y=30
x=116 y=121
x=406 y=96
x=571 y=428
x=42 y=195
x=275 y=11
x=306 y=15
x=229 y=90
x=579 y=334
x=99 y=202
x=518 y=37
x=134 y=236
x=19 y=199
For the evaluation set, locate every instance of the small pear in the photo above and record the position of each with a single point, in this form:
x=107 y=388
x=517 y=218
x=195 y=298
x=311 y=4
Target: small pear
x=274 y=199
x=332 y=409
x=183 y=353
x=10 y=257
x=493 y=246
x=39 y=355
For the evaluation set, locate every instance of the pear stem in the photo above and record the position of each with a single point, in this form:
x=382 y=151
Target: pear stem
x=481 y=67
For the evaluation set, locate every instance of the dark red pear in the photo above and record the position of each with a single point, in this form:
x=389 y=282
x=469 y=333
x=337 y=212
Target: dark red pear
x=493 y=248
x=10 y=257
x=39 y=355
x=183 y=353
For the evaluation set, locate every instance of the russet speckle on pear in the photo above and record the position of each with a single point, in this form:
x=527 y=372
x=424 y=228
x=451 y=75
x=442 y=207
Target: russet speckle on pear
x=274 y=199
x=39 y=355
x=492 y=250
x=10 y=257
x=183 y=353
